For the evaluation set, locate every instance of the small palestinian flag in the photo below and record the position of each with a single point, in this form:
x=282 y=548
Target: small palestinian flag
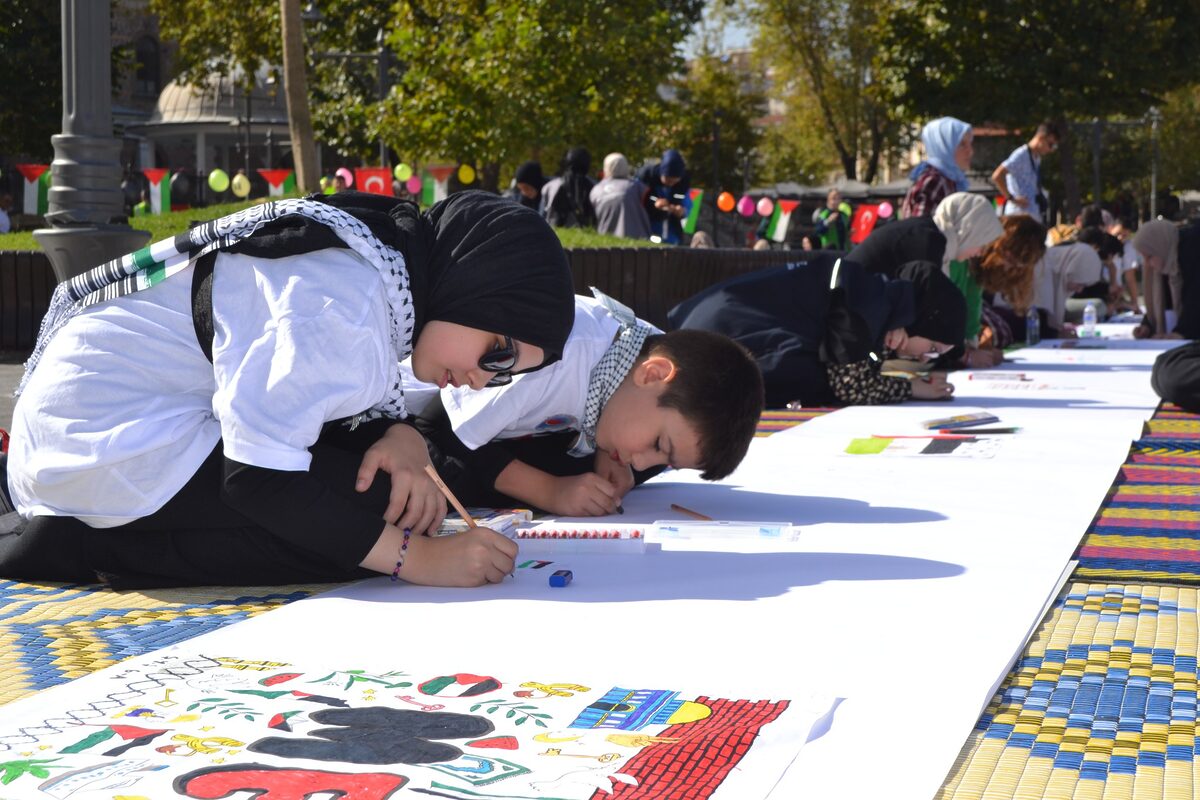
x=37 y=187
x=280 y=182
x=781 y=220
x=689 y=224
x=374 y=180
x=160 y=190
x=435 y=184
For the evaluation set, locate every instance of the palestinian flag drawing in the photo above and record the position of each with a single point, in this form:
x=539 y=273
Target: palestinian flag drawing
x=280 y=182
x=781 y=220
x=689 y=224
x=37 y=188
x=160 y=190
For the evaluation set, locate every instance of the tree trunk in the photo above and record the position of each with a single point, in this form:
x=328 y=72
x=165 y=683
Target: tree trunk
x=489 y=177
x=295 y=86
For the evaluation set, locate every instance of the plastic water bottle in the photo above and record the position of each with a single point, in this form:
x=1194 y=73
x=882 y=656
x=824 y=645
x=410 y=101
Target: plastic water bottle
x=1033 y=326
x=1089 y=320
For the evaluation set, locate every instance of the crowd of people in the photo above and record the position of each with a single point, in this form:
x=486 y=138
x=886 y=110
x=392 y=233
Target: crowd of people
x=211 y=412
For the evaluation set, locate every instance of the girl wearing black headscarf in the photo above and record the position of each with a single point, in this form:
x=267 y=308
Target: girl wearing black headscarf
x=566 y=200
x=820 y=328
x=202 y=420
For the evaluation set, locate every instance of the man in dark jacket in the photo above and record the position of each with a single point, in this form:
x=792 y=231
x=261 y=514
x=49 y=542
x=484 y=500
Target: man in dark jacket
x=667 y=201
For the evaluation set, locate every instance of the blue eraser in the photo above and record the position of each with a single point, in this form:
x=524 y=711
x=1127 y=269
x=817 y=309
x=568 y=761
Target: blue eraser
x=561 y=577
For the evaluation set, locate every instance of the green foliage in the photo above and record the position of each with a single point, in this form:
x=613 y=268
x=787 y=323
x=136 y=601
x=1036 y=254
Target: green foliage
x=796 y=149
x=499 y=81
x=31 y=92
x=1179 y=138
x=714 y=88
x=830 y=51
x=222 y=37
x=1017 y=61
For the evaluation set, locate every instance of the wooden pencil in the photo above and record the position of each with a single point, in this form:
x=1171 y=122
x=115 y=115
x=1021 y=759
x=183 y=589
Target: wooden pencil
x=462 y=512
x=690 y=513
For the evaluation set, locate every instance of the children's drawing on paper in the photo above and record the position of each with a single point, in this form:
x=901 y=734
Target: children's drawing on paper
x=957 y=446
x=192 y=726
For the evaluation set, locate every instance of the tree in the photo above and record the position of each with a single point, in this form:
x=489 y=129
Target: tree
x=499 y=81
x=1018 y=61
x=230 y=38
x=831 y=47
x=31 y=92
x=713 y=90
x=295 y=85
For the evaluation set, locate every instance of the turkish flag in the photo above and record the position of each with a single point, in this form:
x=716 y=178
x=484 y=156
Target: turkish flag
x=374 y=180
x=863 y=222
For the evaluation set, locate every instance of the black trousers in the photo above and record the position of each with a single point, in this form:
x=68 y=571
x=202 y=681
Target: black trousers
x=195 y=539
x=1176 y=376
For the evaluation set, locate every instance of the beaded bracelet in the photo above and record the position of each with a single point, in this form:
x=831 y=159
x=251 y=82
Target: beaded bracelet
x=403 y=553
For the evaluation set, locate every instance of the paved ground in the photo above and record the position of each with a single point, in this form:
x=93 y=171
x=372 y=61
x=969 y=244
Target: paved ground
x=11 y=367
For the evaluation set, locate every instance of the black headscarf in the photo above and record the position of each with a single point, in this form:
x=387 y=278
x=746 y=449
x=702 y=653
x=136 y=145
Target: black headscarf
x=475 y=259
x=531 y=173
x=572 y=204
x=941 y=310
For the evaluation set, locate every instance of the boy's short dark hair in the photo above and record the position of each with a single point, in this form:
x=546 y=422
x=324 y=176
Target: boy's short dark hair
x=1050 y=128
x=1106 y=244
x=717 y=388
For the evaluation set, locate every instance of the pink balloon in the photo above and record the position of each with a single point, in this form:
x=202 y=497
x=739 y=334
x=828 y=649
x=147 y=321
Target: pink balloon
x=413 y=185
x=347 y=176
x=745 y=206
x=885 y=209
x=766 y=206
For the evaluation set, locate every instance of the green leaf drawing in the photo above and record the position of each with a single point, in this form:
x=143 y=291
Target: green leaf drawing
x=511 y=713
x=476 y=706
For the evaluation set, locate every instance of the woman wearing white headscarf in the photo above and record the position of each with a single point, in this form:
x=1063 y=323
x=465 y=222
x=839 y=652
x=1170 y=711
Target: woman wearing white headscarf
x=618 y=201
x=1064 y=270
x=949 y=145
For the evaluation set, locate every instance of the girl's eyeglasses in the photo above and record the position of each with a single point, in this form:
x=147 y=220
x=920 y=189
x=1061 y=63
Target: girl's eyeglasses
x=501 y=361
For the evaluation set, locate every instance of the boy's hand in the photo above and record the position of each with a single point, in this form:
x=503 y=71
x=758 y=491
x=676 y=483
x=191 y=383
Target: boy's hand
x=618 y=474
x=414 y=499
x=472 y=558
x=932 y=387
x=586 y=495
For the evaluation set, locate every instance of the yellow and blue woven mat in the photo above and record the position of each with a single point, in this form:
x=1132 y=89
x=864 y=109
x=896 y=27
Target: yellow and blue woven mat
x=52 y=633
x=1101 y=705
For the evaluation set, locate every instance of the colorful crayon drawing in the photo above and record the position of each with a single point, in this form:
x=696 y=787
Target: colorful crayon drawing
x=295 y=733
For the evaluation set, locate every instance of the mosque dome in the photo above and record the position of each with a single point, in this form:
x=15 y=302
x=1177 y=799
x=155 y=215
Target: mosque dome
x=221 y=99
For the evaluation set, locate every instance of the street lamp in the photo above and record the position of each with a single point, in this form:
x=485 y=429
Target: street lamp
x=382 y=57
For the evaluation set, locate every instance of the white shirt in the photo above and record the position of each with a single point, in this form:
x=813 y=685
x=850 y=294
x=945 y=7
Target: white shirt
x=124 y=407
x=551 y=399
x=1129 y=259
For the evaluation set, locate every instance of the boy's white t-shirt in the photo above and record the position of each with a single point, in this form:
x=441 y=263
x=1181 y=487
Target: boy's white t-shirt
x=1129 y=259
x=551 y=399
x=124 y=406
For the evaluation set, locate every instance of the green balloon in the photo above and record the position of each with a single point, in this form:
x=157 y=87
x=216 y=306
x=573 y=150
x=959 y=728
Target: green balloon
x=218 y=180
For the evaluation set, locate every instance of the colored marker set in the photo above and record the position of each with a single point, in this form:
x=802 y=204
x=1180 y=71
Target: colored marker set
x=557 y=538
x=725 y=529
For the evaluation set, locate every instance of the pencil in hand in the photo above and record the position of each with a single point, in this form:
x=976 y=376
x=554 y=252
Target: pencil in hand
x=462 y=512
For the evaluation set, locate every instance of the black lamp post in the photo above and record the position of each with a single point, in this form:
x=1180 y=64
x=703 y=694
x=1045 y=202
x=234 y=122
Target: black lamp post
x=383 y=62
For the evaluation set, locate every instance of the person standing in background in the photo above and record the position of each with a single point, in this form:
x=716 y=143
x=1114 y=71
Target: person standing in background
x=1019 y=178
x=5 y=207
x=667 y=198
x=527 y=185
x=833 y=222
x=617 y=199
x=949 y=145
x=565 y=200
